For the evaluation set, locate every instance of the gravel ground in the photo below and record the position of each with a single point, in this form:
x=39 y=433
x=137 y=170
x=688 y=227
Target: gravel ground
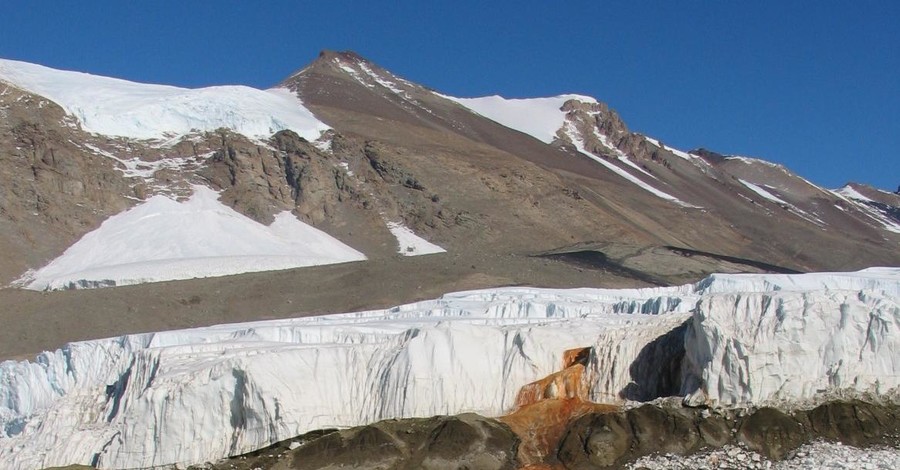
x=817 y=455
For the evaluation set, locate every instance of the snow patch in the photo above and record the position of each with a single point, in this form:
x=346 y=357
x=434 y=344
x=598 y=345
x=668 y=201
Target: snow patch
x=678 y=153
x=762 y=192
x=137 y=168
x=410 y=244
x=540 y=118
x=114 y=107
x=753 y=161
x=161 y=240
x=848 y=191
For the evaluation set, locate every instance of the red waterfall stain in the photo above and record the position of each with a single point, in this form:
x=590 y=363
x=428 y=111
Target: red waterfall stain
x=544 y=409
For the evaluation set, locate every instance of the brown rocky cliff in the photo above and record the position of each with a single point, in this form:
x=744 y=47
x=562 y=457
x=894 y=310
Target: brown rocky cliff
x=53 y=189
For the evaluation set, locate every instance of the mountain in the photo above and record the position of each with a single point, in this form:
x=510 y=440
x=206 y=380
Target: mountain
x=547 y=191
x=159 y=217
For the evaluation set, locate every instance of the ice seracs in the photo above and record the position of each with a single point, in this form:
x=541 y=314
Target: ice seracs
x=121 y=108
x=198 y=395
x=162 y=239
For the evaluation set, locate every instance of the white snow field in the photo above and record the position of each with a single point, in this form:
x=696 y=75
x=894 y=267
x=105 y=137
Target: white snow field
x=162 y=239
x=121 y=108
x=198 y=395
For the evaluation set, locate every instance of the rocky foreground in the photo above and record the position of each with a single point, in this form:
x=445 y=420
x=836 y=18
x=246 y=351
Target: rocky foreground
x=650 y=436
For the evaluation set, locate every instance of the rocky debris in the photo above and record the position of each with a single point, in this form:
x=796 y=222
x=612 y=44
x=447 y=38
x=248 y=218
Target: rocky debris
x=464 y=441
x=611 y=440
x=771 y=432
x=294 y=175
x=663 y=435
x=708 y=155
x=820 y=455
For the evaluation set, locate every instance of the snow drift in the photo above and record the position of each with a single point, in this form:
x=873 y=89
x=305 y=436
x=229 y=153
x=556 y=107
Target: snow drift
x=196 y=395
x=162 y=239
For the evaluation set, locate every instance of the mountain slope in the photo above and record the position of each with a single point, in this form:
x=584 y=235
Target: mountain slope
x=629 y=185
x=571 y=199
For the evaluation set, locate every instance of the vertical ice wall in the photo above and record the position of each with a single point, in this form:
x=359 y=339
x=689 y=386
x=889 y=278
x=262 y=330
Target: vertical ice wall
x=792 y=345
x=198 y=395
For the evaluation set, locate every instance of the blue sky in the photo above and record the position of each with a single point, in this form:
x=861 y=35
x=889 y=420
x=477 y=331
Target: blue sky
x=812 y=85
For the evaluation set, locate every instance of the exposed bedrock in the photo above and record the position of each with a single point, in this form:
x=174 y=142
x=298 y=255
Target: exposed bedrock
x=445 y=442
x=602 y=439
x=599 y=441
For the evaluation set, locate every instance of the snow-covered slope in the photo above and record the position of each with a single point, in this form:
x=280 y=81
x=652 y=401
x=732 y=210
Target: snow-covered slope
x=544 y=119
x=162 y=239
x=195 y=395
x=120 y=108
x=540 y=118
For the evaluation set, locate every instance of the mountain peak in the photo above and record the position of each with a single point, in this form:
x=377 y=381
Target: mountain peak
x=328 y=54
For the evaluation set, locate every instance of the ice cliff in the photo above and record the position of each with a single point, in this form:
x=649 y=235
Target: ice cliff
x=198 y=395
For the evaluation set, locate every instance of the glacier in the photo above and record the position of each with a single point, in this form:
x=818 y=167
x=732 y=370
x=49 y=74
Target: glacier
x=197 y=395
x=120 y=108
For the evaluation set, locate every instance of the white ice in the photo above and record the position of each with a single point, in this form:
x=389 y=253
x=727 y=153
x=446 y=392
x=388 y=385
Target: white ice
x=197 y=395
x=121 y=108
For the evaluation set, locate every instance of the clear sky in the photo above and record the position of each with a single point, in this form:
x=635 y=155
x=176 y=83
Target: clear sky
x=814 y=85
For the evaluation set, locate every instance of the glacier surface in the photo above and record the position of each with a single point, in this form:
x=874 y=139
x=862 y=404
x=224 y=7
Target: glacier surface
x=120 y=108
x=197 y=395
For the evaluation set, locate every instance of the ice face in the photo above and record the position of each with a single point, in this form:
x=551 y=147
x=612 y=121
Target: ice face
x=196 y=395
